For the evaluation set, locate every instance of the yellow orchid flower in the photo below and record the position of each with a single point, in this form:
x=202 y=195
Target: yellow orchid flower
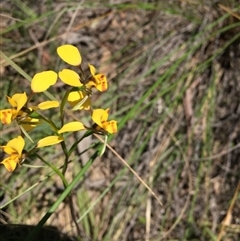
x=14 y=149
x=29 y=123
x=17 y=101
x=70 y=54
x=100 y=116
x=79 y=99
x=21 y=113
x=43 y=80
x=71 y=78
x=99 y=81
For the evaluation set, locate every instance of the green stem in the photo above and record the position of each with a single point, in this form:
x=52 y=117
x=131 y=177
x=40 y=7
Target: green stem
x=55 y=129
x=65 y=194
x=66 y=153
x=64 y=100
x=55 y=169
x=29 y=98
x=73 y=147
x=37 y=115
x=82 y=75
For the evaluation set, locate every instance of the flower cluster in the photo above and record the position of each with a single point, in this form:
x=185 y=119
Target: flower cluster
x=78 y=96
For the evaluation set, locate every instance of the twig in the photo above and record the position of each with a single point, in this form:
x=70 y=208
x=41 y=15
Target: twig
x=134 y=173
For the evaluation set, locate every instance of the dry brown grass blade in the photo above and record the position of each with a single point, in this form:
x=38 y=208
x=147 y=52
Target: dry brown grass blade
x=228 y=218
x=4 y=63
x=190 y=181
x=133 y=172
x=162 y=147
x=218 y=155
x=228 y=10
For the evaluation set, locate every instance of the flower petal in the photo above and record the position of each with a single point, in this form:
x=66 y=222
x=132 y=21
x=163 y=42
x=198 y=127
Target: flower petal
x=17 y=144
x=76 y=97
x=70 y=54
x=20 y=100
x=92 y=69
x=12 y=102
x=29 y=123
x=50 y=140
x=8 y=150
x=110 y=126
x=6 y=116
x=91 y=83
x=98 y=81
x=70 y=77
x=43 y=80
x=9 y=164
x=48 y=104
x=102 y=82
x=72 y=126
x=99 y=116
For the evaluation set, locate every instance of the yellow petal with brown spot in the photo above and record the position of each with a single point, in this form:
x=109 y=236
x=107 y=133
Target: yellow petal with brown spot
x=6 y=116
x=111 y=127
x=9 y=164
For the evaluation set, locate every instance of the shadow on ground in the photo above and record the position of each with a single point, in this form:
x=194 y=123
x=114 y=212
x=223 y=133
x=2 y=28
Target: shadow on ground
x=18 y=232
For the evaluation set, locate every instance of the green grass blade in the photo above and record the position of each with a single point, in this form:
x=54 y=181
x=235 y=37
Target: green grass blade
x=67 y=191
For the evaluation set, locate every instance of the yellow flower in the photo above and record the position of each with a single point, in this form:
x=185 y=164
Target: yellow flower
x=14 y=149
x=69 y=54
x=79 y=99
x=99 y=81
x=21 y=113
x=29 y=123
x=71 y=78
x=100 y=116
x=17 y=101
x=43 y=80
